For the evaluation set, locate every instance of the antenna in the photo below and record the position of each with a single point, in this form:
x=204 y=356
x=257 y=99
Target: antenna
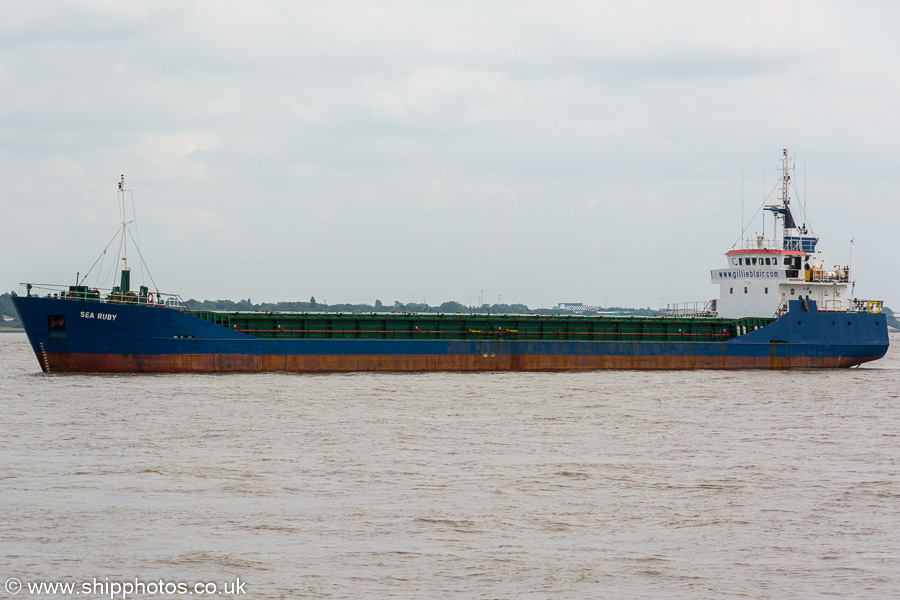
x=764 y=214
x=850 y=263
x=805 y=173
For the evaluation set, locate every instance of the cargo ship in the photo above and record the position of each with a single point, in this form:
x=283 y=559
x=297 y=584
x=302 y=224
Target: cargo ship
x=779 y=307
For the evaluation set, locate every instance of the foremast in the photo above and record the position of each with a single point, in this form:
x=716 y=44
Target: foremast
x=125 y=281
x=121 y=293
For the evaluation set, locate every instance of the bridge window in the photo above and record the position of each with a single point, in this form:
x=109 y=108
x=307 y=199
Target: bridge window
x=734 y=261
x=753 y=260
x=787 y=260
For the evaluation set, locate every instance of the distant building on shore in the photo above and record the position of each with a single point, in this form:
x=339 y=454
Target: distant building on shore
x=578 y=307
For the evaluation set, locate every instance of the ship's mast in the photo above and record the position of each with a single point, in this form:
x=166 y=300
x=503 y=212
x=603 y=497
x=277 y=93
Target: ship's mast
x=794 y=237
x=784 y=210
x=785 y=195
x=785 y=178
x=126 y=272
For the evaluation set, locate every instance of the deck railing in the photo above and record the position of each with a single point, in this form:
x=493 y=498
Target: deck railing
x=702 y=308
x=102 y=295
x=855 y=306
x=869 y=306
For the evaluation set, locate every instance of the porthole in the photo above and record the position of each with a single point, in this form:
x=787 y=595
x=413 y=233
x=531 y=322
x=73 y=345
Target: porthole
x=832 y=323
x=848 y=323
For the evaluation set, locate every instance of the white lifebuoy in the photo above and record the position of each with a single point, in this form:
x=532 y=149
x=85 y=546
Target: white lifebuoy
x=151 y=298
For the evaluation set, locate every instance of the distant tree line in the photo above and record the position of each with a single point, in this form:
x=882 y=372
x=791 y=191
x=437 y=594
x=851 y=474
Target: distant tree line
x=378 y=307
x=449 y=307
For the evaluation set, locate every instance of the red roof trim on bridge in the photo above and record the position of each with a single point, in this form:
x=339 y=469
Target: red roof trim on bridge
x=766 y=251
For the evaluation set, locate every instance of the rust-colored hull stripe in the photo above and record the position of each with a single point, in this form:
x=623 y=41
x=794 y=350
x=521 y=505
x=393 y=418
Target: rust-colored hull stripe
x=247 y=363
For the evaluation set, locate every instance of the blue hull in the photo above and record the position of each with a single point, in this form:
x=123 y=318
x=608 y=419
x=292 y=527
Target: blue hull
x=83 y=336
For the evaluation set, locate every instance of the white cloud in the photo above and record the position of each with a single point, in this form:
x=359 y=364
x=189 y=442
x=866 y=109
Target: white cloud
x=183 y=220
x=306 y=113
x=659 y=29
x=447 y=93
x=171 y=154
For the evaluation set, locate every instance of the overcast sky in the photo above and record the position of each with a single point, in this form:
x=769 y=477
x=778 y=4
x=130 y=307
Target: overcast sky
x=542 y=152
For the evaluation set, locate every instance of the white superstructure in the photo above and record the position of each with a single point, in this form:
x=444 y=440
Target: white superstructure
x=759 y=279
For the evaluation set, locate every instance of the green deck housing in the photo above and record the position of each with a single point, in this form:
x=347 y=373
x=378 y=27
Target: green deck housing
x=471 y=327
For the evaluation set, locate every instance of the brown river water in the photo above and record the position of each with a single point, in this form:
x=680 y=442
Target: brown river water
x=612 y=484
